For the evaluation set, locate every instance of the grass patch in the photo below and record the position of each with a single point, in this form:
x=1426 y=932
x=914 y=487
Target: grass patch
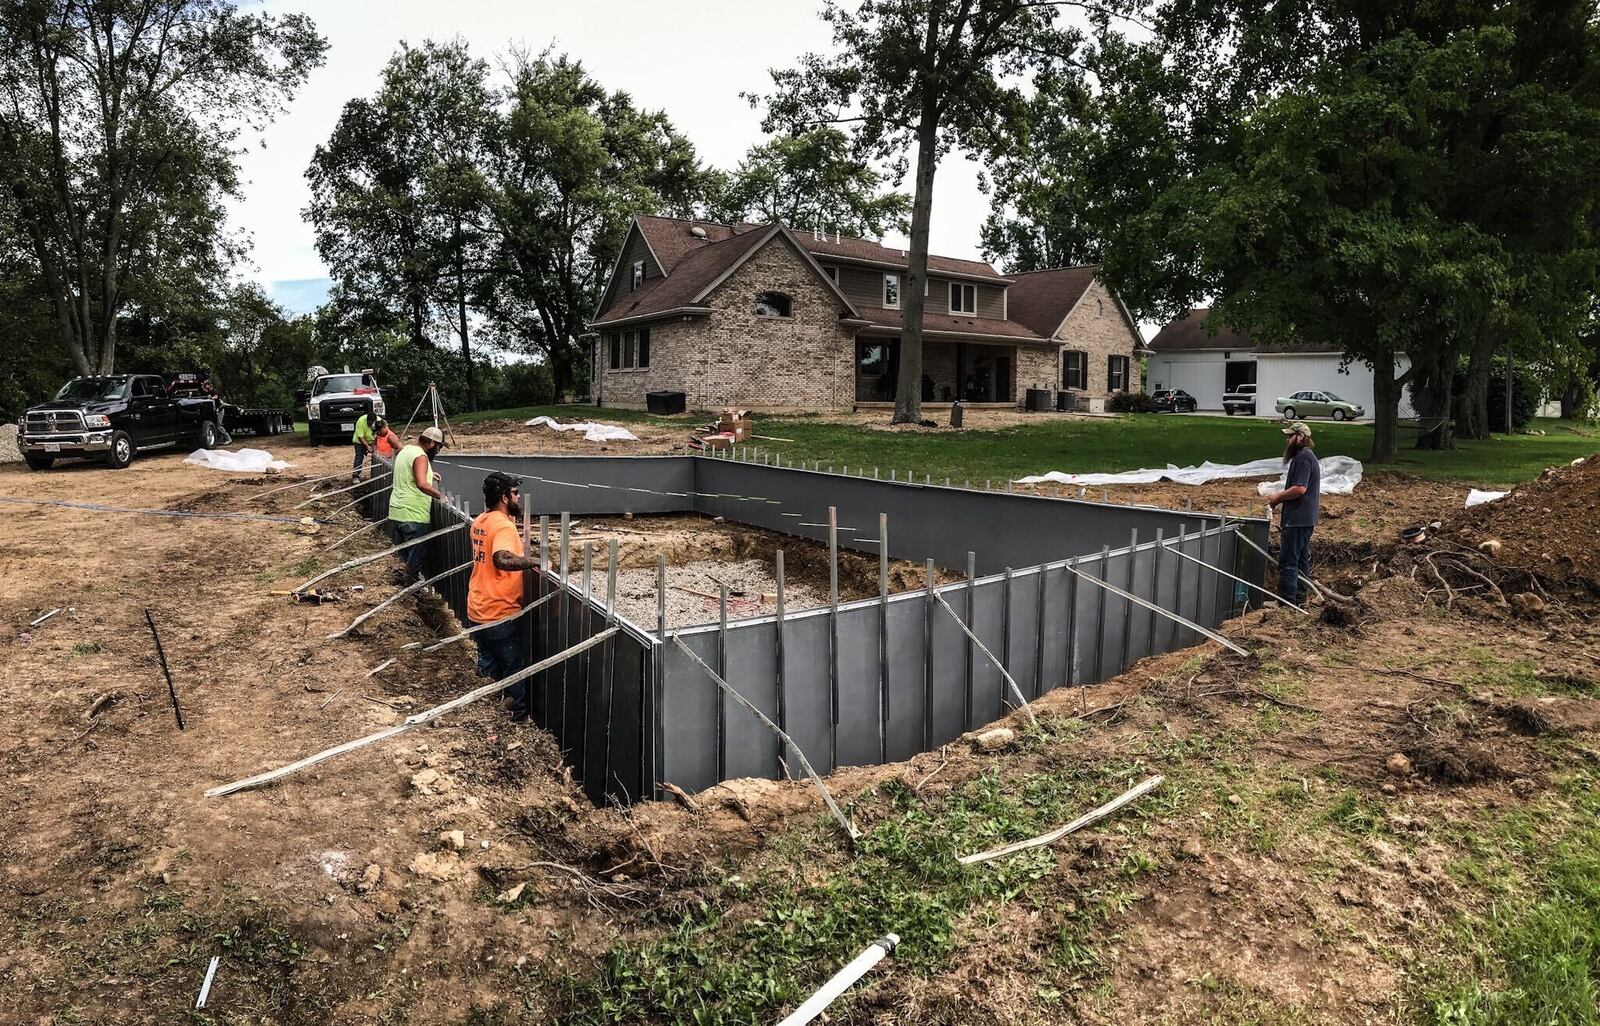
x=764 y=943
x=1534 y=955
x=1144 y=440
x=84 y=648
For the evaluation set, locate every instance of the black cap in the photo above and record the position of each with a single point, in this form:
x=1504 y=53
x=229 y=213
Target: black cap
x=496 y=487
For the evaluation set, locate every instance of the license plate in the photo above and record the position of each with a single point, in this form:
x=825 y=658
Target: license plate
x=347 y=427
x=52 y=447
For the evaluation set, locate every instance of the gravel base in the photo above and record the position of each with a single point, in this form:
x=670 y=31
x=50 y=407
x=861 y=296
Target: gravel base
x=9 y=453
x=636 y=592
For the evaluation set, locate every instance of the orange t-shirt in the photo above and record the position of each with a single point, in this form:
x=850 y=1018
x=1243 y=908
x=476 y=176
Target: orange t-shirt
x=493 y=594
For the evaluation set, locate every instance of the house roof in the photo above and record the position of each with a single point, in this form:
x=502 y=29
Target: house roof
x=881 y=317
x=1188 y=334
x=1041 y=300
x=696 y=255
x=688 y=276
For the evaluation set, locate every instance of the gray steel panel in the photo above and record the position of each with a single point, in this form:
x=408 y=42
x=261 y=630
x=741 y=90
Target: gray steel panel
x=908 y=653
x=752 y=749
x=689 y=715
x=1022 y=633
x=1059 y=617
x=1138 y=641
x=578 y=484
x=988 y=623
x=805 y=689
x=859 y=711
x=948 y=647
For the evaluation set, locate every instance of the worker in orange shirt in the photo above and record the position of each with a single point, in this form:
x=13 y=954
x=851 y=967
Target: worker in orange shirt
x=495 y=590
x=385 y=442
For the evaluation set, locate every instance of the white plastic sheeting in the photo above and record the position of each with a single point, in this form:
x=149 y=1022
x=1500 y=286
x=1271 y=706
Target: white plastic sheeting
x=1478 y=498
x=245 y=461
x=1340 y=475
x=592 y=432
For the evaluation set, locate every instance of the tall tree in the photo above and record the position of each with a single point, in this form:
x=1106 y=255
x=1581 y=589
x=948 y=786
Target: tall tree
x=398 y=197
x=810 y=180
x=1354 y=173
x=571 y=164
x=926 y=76
x=118 y=128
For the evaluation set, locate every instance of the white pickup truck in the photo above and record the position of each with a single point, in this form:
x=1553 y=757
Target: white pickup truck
x=337 y=401
x=1241 y=400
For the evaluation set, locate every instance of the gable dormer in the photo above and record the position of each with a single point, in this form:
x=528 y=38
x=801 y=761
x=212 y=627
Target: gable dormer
x=636 y=268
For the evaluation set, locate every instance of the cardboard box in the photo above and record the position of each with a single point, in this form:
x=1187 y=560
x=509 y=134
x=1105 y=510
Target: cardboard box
x=717 y=442
x=739 y=427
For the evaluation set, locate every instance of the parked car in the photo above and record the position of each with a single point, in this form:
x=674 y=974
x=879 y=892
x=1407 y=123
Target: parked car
x=1241 y=400
x=1315 y=403
x=111 y=417
x=1174 y=400
x=337 y=401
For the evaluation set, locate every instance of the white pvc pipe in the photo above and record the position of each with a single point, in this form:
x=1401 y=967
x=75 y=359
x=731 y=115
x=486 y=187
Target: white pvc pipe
x=842 y=981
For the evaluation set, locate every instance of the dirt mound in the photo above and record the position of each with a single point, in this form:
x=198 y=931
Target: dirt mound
x=1550 y=526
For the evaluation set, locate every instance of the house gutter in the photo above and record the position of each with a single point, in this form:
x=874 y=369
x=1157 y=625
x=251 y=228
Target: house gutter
x=658 y=315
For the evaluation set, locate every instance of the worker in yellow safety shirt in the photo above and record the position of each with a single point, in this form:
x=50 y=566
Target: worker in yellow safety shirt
x=372 y=434
x=411 y=496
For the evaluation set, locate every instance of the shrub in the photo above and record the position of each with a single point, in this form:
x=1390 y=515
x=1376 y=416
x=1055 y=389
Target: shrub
x=1131 y=402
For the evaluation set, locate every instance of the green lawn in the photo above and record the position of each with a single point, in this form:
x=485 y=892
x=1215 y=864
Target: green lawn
x=1126 y=443
x=1148 y=440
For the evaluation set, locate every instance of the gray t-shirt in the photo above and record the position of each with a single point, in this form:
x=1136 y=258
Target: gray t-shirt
x=1303 y=470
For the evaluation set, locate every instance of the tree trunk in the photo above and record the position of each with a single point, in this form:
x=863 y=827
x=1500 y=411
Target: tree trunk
x=1385 y=407
x=466 y=342
x=1433 y=389
x=1474 y=419
x=908 y=387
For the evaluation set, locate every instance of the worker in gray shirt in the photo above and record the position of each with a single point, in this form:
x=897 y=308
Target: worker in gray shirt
x=1301 y=505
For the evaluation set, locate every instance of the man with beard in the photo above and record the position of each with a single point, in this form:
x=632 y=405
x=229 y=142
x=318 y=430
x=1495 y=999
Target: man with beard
x=494 y=593
x=1301 y=501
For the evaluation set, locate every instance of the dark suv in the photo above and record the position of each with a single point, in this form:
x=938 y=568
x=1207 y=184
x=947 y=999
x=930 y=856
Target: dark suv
x=1173 y=400
x=110 y=418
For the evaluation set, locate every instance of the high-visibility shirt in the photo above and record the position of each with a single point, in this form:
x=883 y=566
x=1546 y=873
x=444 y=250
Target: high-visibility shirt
x=363 y=434
x=492 y=593
x=409 y=504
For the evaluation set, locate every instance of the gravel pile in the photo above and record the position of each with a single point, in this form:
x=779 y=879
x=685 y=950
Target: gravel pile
x=9 y=453
x=689 y=586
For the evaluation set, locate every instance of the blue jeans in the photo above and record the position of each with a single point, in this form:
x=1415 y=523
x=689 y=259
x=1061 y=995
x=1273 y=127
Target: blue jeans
x=361 y=456
x=500 y=654
x=404 y=532
x=1294 y=563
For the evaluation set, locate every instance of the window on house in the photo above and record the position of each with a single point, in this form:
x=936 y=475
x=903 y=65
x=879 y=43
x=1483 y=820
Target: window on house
x=644 y=347
x=773 y=304
x=963 y=298
x=833 y=274
x=891 y=291
x=1099 y=308
x=1116 y=373
x=638 y=273
x=1074 y=370
x=872 y=358
x=615 y=342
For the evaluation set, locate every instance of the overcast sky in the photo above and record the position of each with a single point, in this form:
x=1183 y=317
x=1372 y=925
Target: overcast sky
x=689 y=57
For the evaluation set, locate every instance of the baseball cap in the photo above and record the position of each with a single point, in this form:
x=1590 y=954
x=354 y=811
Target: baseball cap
x=1299 y=427
x=433 y=434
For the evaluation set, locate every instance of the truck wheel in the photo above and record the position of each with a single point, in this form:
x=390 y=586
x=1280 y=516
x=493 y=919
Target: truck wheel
x=121 y=453
x=39 y=462
x=1228 y=410
x=208 y=434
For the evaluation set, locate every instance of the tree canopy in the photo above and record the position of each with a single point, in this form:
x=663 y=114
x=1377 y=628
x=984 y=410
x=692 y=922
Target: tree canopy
x=119 y=125
x=1412 y=185
x=809 y=180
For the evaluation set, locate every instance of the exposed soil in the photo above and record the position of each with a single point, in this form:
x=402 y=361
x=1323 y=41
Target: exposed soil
x=1551 y=525
x=341 y=896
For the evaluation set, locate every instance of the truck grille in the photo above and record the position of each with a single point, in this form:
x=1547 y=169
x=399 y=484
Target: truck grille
x=54 y=421
x=354 y=409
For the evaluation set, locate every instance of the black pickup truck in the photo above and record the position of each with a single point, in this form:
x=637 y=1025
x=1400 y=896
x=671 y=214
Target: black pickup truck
x=112 y=417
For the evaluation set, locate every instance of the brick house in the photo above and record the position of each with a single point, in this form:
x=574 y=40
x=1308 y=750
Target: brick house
x=763 y=317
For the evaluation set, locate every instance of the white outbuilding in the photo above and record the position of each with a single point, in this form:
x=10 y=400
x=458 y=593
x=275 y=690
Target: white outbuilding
x=1206 y=363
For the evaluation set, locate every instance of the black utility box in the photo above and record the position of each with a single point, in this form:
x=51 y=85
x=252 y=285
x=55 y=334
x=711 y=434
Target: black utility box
x=1066 y=402
x=665 y=402
x=1039 y=400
